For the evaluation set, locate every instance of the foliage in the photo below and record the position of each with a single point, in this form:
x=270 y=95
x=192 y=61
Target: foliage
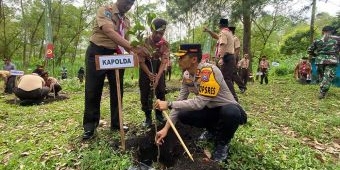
x=288 y=128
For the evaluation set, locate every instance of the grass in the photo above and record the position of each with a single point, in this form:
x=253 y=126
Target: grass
x=288 y=128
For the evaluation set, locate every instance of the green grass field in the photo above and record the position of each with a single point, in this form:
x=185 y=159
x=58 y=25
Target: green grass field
x=288 y=128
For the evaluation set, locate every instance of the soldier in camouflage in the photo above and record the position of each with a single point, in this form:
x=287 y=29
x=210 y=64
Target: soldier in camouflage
x=326 y=59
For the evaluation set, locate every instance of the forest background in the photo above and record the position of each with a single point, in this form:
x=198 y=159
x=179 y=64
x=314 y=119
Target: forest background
x=279 y=29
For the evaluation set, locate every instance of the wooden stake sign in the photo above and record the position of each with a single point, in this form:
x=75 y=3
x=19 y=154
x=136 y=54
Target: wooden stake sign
x=116 y=62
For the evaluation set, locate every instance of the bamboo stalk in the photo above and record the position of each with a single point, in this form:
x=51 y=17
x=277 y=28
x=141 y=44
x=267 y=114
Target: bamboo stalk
x=178 y=136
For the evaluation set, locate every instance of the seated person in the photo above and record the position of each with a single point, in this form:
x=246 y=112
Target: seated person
x=303 y=70
x=39 y=70
x=31 y=89
x=51 y=83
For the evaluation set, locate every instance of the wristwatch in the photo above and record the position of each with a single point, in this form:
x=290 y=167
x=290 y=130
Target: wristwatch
x=170 y=105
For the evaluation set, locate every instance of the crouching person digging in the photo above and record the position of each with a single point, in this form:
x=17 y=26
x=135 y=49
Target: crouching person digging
x=213 y=108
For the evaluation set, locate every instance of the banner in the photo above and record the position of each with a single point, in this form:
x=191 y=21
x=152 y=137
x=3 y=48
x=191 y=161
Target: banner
x=49 y=51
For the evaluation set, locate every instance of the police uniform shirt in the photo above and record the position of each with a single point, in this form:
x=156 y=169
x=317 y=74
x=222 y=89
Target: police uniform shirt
x=214 y=95
x=225 y=42
x=108 y=15
x=30 y=82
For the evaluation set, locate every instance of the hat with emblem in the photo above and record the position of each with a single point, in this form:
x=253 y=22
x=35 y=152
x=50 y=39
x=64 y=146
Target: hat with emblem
x=327 y=28
x=185 y=49
x=223 y=22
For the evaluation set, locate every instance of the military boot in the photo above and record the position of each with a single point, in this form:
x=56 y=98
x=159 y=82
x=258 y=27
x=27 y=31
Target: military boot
x=322 y=94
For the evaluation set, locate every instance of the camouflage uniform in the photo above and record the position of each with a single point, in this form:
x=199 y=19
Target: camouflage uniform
x=326 y=59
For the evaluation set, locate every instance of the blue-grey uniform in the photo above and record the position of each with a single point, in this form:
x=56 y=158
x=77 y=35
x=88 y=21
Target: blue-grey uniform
x=213 y=107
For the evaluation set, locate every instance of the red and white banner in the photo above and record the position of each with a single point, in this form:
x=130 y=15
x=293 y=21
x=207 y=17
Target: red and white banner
x=49 y=51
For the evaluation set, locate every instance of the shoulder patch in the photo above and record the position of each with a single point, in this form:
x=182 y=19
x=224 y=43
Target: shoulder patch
x=208 y=86
x=107 y=13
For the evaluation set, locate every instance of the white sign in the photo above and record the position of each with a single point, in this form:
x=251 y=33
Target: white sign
x=16 y=73
x=275 y=64
x=105 y=62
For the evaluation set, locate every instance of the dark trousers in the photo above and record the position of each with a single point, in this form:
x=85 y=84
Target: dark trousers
x=94 y=87
x=264 y=75
x=10 y=84
x=222 y=121
x=227 y=70
x=57 y=89
x=237 y=79
x=244 y=74
x=34 y=96
x=168 y=72
x=146 y=94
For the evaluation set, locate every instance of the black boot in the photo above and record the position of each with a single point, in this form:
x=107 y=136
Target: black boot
x=148 y=120
x=322 y=94
x=221 y=152
x=89 y=134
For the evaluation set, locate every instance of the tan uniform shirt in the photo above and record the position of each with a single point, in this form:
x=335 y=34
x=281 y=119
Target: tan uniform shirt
x=50 y=81
x=108 y=15
x=264 y=64
x=237 y=43
x=161 y=50
x=225 y=43
x=243 y=63
x=30 y=82
x=191 y=84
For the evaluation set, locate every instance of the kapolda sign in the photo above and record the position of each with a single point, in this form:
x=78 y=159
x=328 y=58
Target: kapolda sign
x=108 y=62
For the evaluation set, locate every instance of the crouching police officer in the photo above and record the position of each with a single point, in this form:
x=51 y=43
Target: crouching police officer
x=213 y=108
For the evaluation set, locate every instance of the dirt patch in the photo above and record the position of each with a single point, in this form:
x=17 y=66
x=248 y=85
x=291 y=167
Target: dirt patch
x=172 y=155
x=49 y=99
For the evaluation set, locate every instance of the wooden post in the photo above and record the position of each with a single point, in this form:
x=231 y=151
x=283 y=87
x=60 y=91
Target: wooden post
x=122 y=133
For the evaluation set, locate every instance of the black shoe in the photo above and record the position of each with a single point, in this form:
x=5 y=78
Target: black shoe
x=148 y=122
x=206 y=135
x=221 y=153
x=322 y=95
x=243 y=90
x=88 y=135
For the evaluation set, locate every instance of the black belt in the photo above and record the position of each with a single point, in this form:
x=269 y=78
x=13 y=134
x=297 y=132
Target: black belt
x=101 y=47
x=244 y=68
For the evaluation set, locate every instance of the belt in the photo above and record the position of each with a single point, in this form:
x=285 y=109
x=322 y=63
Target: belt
x=101 y=47
x=244 y=68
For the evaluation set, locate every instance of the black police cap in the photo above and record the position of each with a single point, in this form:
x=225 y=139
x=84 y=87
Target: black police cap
x=189 y=49
x=224 y=22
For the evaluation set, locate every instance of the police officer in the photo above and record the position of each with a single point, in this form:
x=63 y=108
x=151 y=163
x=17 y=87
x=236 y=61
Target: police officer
x=108 y=37
x=151 y=73
x=325 y=51
x=213 y=108
x=225 y=50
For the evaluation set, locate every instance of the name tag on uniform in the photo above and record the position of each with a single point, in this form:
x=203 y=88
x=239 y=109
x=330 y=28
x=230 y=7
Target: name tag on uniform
x=209 y=86
x=110 y=62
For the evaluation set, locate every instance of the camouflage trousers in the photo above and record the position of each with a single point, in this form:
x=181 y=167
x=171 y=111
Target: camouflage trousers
x=327 y=74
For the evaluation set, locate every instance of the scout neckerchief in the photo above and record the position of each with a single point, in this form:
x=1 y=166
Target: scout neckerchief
x=208 y=85
x=218 y=43
x=121 y=31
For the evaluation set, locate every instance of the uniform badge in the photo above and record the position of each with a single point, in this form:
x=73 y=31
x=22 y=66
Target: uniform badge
x=205 y=75
x=107 y=14
x=209 y=86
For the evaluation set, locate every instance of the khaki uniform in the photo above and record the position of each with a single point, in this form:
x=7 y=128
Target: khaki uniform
x=243 y=65
x=225 y=43
x=108 y=15
x=101 y=44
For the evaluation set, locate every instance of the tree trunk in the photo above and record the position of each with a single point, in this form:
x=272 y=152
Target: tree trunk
x=24 y=56
x=247 y=30
x=312 y=22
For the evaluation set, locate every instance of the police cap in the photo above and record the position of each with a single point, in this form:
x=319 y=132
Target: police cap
x=327 y=28
x=185 y=49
